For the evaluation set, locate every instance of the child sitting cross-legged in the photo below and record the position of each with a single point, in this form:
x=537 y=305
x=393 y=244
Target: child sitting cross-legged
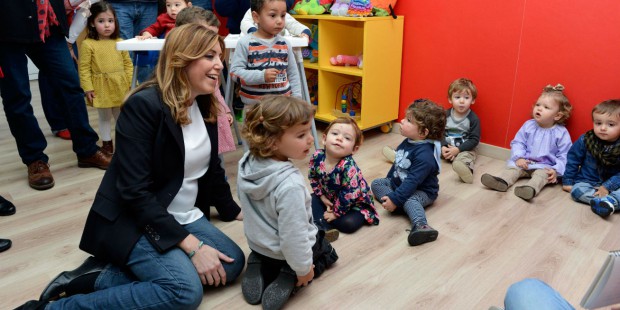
x=539 y=148
x=412 y=183
x=593 y=169
x=287 y=249
x=342 y=200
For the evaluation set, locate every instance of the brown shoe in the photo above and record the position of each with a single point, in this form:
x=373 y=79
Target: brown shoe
x=107 y=147
x=98 y=160
x=39 y=175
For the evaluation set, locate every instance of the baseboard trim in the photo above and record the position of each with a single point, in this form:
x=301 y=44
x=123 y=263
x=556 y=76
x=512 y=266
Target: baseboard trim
x=483 y=149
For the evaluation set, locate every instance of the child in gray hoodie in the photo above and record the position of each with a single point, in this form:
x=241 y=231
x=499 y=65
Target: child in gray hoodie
x=288 y=250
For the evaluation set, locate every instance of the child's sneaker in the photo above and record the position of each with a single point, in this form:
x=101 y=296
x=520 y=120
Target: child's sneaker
x=463 y=171
x=389 y=153
x=604 y=206
x=332 y=235
x=494 y=182
x=253 y=284
x=422 y=234
x=279 y=291
x=525 y=192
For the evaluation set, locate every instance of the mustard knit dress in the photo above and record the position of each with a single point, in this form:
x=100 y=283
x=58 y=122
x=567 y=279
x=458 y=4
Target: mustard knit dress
x=106 y=71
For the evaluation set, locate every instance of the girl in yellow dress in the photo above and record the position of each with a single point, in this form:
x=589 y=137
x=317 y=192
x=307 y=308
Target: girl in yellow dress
x=105 y=73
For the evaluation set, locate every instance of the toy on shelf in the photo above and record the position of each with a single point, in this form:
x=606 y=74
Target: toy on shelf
x=311 y=52
x=313 y=86
x=340 y=7
x=350 y=100
x=383 y=7
x=360 y=8
x=346 y=60
x=308 y=7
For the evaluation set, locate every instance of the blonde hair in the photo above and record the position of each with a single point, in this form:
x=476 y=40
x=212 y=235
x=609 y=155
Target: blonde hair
x=359 y=137
x=183 y=45
x=428 y=115
x=462 y=84
x=557 y=92
x=266 y=122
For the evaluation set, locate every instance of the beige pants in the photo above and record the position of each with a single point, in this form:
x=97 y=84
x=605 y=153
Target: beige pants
x=466 y=157
x=538 y=177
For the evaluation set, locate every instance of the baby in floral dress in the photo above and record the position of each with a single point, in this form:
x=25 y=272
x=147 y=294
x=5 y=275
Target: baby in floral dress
x=341 y=199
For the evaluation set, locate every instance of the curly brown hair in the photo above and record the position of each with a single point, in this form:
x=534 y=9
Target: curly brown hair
x=266 y=122
x=557 y=92
x=428 y=115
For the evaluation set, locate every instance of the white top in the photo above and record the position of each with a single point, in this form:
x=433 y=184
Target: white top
x=134 y=44
x=197 y=157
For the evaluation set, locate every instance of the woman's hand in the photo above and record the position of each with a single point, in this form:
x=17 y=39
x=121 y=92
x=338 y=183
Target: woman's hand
x=230 y=118
x=329 y=216
x=326 y=202
x=207 y=261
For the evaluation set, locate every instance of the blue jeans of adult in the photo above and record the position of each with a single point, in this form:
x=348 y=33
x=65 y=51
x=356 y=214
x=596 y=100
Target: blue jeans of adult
x=54 y=60
x=348 y=223
x=154 y=280
x=133 y=17
x=205 y=4
x=584 y=192
x=51 y=107
x=413 y=207
x=534 y=294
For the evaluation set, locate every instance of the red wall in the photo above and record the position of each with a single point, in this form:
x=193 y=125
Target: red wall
x=511 y=49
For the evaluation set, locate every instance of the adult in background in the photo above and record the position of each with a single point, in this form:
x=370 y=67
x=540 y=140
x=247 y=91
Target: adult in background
x=152 y=244
x=37 y=29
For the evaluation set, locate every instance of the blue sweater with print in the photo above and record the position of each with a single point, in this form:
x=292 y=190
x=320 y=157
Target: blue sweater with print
x=415 y=168
x=582 y=167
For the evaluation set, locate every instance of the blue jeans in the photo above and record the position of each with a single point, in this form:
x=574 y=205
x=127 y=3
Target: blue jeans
x=414 y=206
x=534 y=294
x=205 y=4
x=153 y=280
x=584 y=192
x=51 y=107
x=133 y=17
x=53 y=59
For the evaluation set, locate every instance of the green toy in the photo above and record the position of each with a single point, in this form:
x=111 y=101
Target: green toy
x=308 y=7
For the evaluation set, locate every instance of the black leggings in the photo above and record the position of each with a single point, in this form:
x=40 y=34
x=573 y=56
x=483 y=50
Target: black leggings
x=347 y=223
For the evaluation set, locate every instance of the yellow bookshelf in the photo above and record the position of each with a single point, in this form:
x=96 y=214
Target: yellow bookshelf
x=380 y=41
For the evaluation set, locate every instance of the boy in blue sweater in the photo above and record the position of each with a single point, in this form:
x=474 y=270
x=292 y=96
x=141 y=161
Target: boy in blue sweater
x=592 y=173
x=412 y=183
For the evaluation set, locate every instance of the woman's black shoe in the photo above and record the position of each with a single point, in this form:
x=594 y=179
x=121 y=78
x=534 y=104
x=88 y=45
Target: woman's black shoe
x=33 y=305
x=58 y=287
x=5 y=244
x=6 y=207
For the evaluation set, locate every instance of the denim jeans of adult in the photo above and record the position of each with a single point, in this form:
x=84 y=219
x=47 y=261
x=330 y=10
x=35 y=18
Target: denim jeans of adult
x=133 y=17
x=413 y=207
x=534 y=294
x=157 y=280
x=54 y=115
x=54 y=60
x=205 y=4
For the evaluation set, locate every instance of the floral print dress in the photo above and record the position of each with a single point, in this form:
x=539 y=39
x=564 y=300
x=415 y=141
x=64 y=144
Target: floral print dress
x=344 y=186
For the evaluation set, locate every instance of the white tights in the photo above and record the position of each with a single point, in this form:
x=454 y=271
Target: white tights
x=105 y=122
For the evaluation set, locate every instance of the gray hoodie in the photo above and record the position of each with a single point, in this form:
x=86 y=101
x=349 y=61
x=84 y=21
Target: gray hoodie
x=277 y=215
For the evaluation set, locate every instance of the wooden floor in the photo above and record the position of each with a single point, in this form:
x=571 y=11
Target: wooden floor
x=487 y=240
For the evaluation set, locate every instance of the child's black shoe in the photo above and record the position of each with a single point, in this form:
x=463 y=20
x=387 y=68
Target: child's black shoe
x=422 y=234
x=253 y=284
x=279 y=291
x=604 y=206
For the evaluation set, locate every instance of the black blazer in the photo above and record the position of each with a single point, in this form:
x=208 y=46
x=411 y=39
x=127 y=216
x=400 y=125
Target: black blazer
x=144 y=176
x=19 y=22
